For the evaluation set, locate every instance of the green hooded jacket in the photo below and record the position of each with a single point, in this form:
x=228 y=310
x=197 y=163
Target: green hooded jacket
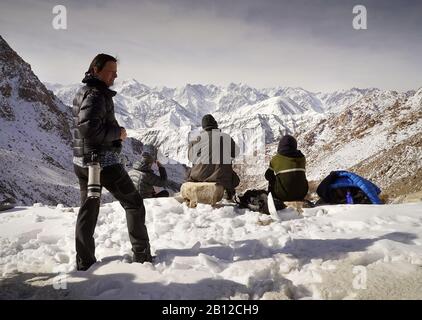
x=290 y=182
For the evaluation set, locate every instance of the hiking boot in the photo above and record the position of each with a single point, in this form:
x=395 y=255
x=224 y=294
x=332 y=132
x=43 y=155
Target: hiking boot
x=229 y=195
x=81 y=266
x=84 y=268
x=141 y=257
x=278 y=204
x=308 y=204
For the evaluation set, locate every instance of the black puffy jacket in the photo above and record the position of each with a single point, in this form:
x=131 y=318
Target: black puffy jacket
x=95 y=128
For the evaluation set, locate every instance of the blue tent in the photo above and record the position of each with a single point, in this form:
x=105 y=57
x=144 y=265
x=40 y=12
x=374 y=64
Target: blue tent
x=344 y=180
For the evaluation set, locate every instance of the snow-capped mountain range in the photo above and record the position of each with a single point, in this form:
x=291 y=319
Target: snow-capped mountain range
x=339 y=130
x=172 y=113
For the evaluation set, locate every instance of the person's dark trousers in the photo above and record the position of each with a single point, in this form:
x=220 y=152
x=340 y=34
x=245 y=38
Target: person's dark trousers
x=271 y=183
x=116 y=180
x=230 y=192
x=162 y=194
x=279 y=204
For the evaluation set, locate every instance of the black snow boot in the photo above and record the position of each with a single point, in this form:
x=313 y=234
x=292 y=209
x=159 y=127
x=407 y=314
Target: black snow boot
x=141 y=257
x=229 y=195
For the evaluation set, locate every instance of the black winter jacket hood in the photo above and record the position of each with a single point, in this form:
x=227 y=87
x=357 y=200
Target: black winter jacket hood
x=92 y=81
x=288 y=147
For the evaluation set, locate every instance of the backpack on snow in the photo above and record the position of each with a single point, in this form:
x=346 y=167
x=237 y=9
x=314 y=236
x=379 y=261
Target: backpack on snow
x=256 y=200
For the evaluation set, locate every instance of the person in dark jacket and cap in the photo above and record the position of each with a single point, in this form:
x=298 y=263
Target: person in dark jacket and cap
x=97 y=134
x=145 y=179
x=286 y=173
x=212 y=154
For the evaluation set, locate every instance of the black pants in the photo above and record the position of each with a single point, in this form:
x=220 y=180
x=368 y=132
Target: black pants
x=161 y=194
x=278 y=203
x=271 y=183
x=116 y=180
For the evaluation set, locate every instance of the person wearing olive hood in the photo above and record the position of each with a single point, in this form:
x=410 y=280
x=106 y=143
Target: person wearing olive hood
x=212 y=155
x=286 y=173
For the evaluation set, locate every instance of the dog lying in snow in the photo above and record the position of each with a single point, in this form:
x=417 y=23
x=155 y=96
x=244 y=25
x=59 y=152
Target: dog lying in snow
x=201 y=192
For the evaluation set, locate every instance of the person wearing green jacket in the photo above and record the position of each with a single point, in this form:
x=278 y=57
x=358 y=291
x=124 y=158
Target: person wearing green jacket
x=286 y=174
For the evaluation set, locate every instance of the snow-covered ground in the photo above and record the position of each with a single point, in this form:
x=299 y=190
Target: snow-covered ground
x=330 y=252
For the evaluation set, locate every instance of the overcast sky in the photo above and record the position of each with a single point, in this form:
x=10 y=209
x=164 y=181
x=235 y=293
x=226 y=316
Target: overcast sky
x=310 y=44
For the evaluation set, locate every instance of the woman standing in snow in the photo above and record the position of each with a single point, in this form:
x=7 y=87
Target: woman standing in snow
x=97 y=134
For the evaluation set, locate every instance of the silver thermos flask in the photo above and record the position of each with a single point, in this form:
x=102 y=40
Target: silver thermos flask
x=94 y=174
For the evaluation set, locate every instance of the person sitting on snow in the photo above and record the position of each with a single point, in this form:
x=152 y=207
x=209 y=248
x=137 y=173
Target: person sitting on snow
x=286 y=173
x=145 y=179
